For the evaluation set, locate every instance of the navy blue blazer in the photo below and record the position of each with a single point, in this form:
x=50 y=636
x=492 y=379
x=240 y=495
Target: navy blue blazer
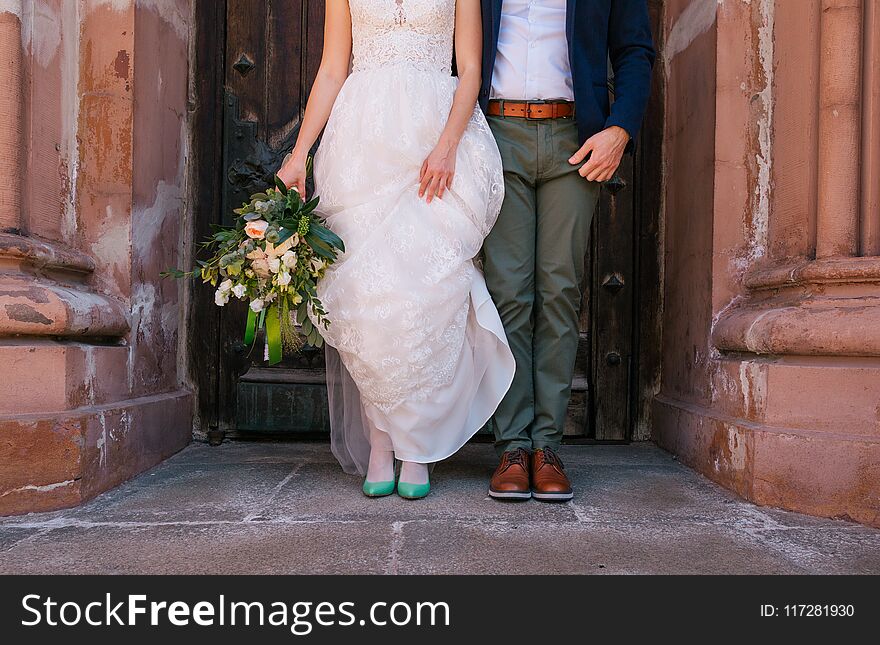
x=597 y=30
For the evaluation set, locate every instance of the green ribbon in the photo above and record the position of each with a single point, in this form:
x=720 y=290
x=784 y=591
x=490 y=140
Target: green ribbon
x=273 y=334
x=250 y=330
x=271 y=319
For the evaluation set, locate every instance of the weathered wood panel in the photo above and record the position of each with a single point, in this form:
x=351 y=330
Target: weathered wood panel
x=612 y=312
x=203 y=340
x=647 y=333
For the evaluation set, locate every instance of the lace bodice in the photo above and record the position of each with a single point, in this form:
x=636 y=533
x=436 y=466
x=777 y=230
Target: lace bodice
x=390 y=32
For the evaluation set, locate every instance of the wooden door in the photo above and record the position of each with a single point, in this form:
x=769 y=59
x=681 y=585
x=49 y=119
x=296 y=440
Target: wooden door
x=254 y=62
x=601 y=388
x=267 y=61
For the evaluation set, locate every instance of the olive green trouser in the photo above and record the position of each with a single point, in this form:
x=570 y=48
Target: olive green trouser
x=534 y=265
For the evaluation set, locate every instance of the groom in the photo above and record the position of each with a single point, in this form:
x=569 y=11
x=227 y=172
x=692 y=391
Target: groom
x=545 y=68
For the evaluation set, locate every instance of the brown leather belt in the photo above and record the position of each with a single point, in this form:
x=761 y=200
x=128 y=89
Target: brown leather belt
x=534 y=110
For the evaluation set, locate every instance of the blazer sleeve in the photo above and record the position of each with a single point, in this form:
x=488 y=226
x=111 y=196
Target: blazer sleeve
x=631 y=50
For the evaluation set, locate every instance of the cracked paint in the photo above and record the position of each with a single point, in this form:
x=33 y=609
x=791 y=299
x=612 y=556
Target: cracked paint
x=45 y=488
x=753 y=385
x=11 y=6
x=764 y=157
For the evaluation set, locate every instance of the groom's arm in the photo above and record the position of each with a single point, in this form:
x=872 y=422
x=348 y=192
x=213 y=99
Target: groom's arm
x=631 y=49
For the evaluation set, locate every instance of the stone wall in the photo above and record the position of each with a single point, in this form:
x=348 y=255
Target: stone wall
x=771 y=361
x=92 y=159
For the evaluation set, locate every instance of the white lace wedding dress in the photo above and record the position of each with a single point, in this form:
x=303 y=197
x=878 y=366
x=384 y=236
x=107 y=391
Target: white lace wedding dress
x=416 y=347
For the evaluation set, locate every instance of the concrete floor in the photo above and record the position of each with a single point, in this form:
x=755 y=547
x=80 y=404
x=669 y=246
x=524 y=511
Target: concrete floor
x=287 y=508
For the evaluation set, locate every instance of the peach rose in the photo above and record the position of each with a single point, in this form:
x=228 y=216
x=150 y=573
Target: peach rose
x=261 y=268
x=256 y=229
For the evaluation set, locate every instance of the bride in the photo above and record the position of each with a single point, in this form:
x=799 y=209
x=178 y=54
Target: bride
x=410 y=177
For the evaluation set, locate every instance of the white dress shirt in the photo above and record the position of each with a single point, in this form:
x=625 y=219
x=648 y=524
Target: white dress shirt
x=532 y=61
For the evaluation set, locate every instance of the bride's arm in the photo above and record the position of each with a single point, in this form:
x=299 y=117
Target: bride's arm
x=331 y=76
x=438 y=170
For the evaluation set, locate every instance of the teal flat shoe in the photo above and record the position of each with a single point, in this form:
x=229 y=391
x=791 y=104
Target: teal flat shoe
x=413 y=491
x=378 y=489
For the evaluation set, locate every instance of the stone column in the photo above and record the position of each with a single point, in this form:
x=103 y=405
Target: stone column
x=11 y=97
x=870 y=206
x=44 y=285
x=771 y=387
x=798 y=305
x=839 y=128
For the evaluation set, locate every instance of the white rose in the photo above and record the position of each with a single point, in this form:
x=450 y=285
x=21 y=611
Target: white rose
x=257 y=305
x=239 y=290
x=317 y=264
x=283 y=279
x=289 y=259
x=256 y=229
x=225 y=286
x=274 y=265
x=221 y=297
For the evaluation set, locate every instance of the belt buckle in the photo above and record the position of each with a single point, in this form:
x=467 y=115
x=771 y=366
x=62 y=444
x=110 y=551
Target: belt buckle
x=529 y=105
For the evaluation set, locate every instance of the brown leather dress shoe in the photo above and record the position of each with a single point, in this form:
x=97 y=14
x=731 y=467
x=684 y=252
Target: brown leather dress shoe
x=549 y=481
x=511 y=478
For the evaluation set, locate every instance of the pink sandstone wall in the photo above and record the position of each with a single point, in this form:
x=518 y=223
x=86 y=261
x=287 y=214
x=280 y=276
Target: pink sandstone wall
x=771 y=361
x=89 y=337
x=689 y=63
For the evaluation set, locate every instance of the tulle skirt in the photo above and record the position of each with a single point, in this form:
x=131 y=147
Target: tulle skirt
x=416 y=349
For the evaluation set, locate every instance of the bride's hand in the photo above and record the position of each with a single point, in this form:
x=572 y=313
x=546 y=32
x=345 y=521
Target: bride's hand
x=437 y=173
x=293 y=173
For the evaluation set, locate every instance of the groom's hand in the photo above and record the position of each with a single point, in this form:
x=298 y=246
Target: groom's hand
x=605 y=150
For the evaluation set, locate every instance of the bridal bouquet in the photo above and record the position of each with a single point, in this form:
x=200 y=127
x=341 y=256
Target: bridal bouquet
x=273 y=257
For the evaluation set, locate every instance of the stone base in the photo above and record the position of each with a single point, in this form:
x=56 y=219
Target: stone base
x=796 y=443
x=60 y=461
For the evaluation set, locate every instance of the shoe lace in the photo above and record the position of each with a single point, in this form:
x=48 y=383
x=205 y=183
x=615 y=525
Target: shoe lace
x=516 y=457
x=552 y=459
